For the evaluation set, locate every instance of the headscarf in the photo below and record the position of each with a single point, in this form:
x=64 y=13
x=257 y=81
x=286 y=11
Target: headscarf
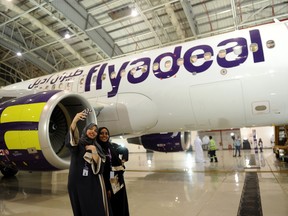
x=104 y=145
x=85 y=140
x=108 y=148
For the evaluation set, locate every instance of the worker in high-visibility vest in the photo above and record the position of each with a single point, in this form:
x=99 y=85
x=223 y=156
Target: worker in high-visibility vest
x=212 y=149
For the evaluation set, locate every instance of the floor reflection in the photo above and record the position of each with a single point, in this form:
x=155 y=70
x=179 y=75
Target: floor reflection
x=160 y=184
x=9 y=187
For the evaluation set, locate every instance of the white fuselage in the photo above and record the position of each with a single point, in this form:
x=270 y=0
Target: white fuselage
x=187 y=86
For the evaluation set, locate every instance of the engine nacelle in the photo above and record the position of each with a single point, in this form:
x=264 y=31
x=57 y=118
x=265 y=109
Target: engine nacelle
x=164 y=142
x=33 y=129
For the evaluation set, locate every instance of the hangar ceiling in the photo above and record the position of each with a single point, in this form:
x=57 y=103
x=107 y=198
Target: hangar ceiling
x=105 y=29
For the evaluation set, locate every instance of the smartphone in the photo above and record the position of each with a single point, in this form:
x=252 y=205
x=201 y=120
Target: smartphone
x=87 y=111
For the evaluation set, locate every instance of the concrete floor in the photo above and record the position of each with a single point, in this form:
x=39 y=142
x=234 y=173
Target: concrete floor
x=160 y=184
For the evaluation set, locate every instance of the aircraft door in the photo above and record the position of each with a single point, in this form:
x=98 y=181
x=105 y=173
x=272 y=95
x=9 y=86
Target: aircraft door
x=218 y=105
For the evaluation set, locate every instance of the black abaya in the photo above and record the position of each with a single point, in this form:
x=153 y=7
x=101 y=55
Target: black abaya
x=119 y=200
x=87 y=193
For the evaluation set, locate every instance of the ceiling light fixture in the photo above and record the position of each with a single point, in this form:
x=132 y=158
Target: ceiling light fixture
x=67 y=35
x=134 y=12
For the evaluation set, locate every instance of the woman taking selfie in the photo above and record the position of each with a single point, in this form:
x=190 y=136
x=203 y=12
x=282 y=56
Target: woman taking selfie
x=85 y=181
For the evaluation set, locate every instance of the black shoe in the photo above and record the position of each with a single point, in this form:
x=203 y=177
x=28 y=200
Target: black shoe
x=211 y=161
x=239 y=155
x=234 y=155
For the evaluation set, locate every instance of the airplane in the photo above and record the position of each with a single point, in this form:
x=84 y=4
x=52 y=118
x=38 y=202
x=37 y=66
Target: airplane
x=155 y=98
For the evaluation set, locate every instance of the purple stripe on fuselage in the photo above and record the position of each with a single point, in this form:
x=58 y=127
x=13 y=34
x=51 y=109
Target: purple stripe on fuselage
x=29 y=99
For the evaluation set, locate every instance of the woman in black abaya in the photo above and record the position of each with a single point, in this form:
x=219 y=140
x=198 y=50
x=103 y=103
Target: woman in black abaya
x=86 y=185
x=113 y=172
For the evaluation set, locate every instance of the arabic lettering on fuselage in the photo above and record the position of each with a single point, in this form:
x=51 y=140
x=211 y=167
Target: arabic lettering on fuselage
x=54 y=78
x=145 y=64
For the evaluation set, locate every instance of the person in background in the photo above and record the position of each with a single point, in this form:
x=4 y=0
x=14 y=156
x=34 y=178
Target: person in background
x=237 y=146
x=212 y=149
x=86 y=186
x=114 y=173
x=199 y=155
x=260 y=144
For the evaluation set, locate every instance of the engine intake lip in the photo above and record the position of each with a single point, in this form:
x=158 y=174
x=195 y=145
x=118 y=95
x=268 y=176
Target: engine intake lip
x=69 y=104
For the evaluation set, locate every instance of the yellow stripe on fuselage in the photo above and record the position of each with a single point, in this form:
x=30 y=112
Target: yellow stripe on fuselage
x=22 y=140
x=22 y=113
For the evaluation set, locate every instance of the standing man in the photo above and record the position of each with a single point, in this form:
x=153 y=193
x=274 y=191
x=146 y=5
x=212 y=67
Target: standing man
x=199 y=155
x=260 y=143
x=212 y=149
x=237 y=146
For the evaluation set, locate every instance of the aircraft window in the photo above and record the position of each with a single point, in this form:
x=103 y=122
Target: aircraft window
x=113 y=75
x=144 y=69
x=53 y=87
x=254 y=47
x=237 y=50
x=193 y=59
x=222 y=53
x=94 y=78
x=133 y=71
x=60 y=85
x=47 y=87
x=180 y=61
x=168 y=64
x=155 y=66
x=260 y=108
x=270 y=44
x=103 y=77
x=82 y=80
x=207 y=55
x=122 y=73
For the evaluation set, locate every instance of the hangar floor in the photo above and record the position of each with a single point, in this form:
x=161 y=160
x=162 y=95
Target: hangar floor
x=170 y=184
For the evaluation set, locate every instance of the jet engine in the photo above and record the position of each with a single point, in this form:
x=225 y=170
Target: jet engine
x=33 y=130
x=164 y=142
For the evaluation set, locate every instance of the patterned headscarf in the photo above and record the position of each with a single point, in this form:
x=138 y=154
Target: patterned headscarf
x=85 y=140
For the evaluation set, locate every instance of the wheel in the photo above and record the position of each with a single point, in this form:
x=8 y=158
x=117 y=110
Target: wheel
x=9 y=171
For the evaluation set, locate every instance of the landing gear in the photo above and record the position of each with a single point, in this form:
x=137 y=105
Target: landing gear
x=8 y=170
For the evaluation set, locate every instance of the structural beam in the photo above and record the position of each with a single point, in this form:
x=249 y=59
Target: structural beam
x=78 y=15
x=187 y=8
